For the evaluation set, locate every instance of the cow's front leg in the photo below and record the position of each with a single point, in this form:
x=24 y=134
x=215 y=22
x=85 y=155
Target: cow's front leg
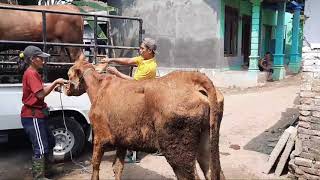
x=118 y=163
x=96 y=158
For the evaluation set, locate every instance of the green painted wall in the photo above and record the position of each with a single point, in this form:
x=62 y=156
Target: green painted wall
x=288 y=36
x=221 y=35
x=232 y=3
x=301 y=38
x=269 y=17
x=245 y=8
x=289 y=24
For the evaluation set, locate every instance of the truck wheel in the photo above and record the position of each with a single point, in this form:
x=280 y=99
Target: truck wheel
x=70 y=140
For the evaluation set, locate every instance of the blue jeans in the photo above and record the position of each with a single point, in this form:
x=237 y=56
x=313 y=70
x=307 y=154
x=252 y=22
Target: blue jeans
x=40 y=136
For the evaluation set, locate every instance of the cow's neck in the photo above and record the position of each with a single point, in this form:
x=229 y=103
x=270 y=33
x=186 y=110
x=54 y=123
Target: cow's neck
x=92 y=80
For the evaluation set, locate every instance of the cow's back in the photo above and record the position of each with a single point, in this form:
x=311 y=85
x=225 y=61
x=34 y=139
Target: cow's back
x=27 y=26
x=175 y=102
x=120 y=106
x=176 y=95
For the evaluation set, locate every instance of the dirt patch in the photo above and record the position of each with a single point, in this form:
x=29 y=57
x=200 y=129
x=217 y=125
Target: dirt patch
x=267 y=140
x=224 y=153
x=234 y=146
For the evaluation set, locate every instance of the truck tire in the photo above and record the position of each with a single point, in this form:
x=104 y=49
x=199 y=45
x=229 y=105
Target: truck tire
x=68 y=141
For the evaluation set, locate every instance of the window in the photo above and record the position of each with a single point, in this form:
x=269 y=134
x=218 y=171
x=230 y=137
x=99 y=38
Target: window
x=231 y=31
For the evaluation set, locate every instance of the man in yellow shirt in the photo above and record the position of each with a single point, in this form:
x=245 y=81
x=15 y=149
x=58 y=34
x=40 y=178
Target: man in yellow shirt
x=146 y=62
x=146 y=69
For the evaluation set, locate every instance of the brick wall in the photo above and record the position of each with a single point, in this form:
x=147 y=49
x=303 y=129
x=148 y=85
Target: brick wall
x=305 y=159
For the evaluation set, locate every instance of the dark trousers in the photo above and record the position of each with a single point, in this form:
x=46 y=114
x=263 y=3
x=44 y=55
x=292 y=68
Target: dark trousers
x=40 y=136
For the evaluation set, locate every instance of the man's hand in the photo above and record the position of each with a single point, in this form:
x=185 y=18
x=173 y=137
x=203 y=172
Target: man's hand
x=105 y=60
x=60 y=81
x=112 y=70
x=101 y=67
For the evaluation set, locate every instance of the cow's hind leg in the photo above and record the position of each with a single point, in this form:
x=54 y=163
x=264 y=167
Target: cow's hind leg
x=118 y=163
x=96 y=159
x=179 y=144
x=203 y=156
x=182 y=163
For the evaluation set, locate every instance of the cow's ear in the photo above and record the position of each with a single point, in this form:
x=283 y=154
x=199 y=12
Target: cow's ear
x=77 y=67
x=77 y=72
x=81 y=57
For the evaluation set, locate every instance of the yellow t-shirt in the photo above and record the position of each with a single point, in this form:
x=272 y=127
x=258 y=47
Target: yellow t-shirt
x=146 y=68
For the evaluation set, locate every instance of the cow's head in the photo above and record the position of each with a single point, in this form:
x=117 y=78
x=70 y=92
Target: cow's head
x=76 y=85
x=76 y=74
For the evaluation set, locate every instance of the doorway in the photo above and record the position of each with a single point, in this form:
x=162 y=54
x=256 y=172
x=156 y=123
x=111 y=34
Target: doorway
x=246 y=39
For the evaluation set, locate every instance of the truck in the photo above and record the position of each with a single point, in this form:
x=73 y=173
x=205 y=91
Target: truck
x=68 y=117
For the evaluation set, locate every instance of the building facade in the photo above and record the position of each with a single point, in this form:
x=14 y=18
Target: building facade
x=221 y=35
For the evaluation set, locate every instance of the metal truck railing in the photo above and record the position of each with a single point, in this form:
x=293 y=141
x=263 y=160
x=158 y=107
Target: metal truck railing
x=95 y=45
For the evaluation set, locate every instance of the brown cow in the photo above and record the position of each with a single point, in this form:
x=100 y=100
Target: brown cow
x=180 y=114
x=21 y=25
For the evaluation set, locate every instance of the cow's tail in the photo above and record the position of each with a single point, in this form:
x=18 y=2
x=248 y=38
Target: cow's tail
x=209 y=143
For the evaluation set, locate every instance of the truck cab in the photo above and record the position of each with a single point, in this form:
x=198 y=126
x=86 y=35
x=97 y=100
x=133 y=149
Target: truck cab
x=68 y=119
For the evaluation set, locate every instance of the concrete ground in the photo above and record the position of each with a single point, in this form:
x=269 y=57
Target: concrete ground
x=253 y=121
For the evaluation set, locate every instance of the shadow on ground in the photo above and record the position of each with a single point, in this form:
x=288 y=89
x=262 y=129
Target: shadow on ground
x=15 y=158
x=267 y=140
x=82 y=165
x=15 y=162
x=136 y=172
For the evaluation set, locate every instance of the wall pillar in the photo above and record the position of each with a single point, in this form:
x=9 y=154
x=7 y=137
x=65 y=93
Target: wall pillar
x=278 y=61
x=255 y=33
x=295 y=60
